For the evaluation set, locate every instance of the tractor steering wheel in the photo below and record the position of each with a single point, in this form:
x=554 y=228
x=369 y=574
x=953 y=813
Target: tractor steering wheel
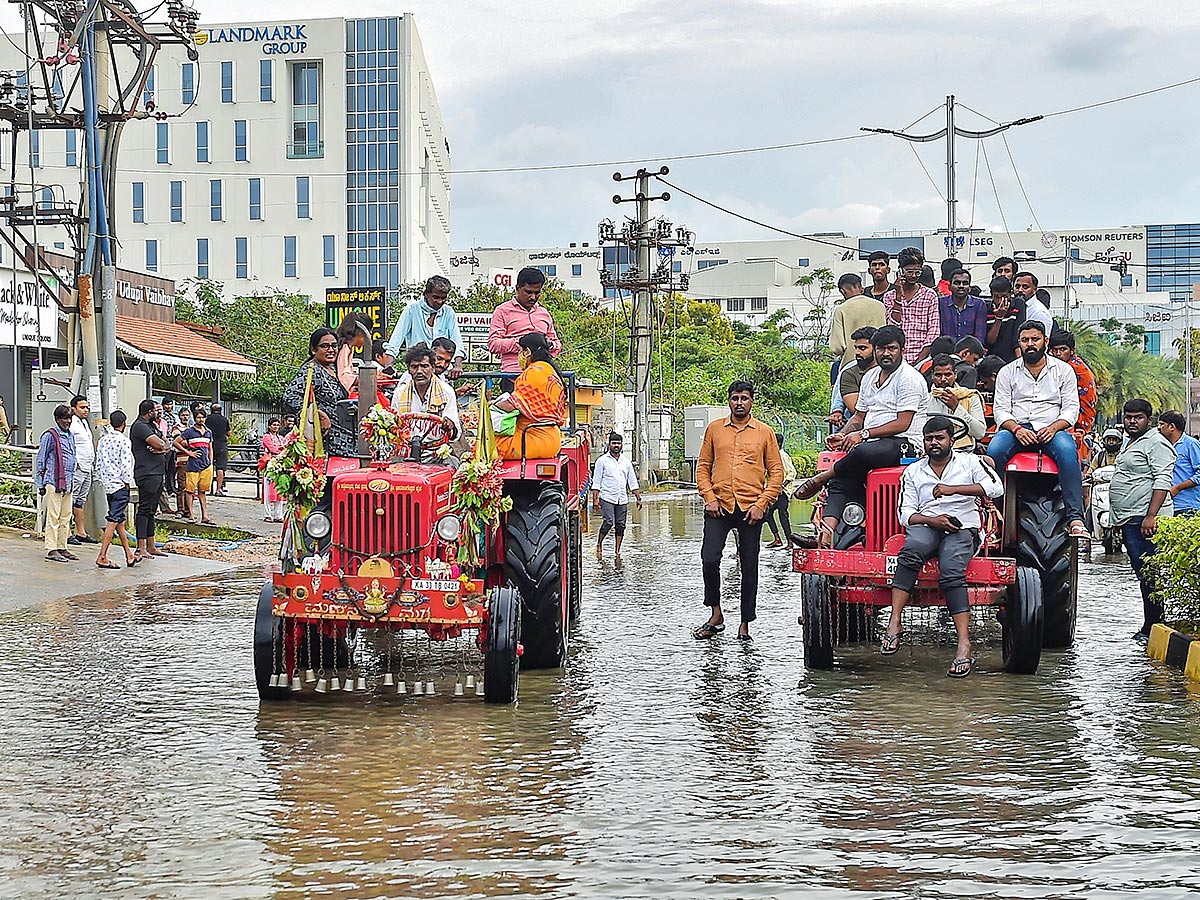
x=959 y=430
x=445 y=425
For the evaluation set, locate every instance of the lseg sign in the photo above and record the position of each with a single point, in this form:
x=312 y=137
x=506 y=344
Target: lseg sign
x=275 y=39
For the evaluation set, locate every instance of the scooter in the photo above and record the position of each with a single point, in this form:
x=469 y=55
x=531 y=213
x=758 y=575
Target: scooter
x=1102 y=527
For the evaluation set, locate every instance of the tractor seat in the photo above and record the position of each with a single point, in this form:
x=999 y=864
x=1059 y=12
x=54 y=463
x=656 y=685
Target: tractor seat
x=1034 y=461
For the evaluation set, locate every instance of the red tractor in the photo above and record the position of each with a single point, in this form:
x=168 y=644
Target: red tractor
x=377 y=562
x=1031 y=580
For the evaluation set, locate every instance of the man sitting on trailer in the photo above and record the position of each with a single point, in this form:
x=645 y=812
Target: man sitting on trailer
x=939 y=511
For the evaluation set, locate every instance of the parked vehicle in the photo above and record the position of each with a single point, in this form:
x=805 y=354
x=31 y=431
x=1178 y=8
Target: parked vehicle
x=1103 y=530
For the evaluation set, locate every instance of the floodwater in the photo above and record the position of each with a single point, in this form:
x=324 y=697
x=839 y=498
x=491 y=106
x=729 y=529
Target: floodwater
x=136 y=761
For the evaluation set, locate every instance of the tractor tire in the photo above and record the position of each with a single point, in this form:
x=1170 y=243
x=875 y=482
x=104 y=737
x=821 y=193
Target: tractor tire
x=535 y=550
x=1022 y=623
x=818 y=621
x=1044 y=545
x=268 y=648
x=574 y=565
x=501 y=669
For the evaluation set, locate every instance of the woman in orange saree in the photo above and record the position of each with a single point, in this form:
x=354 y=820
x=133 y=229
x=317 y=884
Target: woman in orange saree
x=538 y=397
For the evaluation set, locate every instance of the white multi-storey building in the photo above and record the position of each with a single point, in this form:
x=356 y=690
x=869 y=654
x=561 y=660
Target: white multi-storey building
x=298 y=155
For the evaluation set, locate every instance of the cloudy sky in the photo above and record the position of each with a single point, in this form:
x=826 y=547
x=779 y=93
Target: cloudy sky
x=539 y=82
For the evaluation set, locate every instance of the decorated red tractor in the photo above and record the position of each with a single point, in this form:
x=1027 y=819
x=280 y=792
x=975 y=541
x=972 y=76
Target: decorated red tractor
x=409 y=557
x=1026 y=567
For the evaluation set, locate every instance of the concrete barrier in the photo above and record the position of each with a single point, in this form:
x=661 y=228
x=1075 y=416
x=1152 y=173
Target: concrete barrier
x=1175 y=649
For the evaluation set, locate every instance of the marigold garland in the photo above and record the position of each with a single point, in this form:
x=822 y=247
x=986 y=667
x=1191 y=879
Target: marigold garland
x=298 y=476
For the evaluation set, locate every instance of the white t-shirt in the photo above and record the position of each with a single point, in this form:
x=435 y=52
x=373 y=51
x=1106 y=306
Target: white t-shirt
x=1036 y=311
x=904 y=390
x=85 y=449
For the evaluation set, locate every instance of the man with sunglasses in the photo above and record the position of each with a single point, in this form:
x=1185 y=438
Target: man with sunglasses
x=961 y=314
x=913 y=307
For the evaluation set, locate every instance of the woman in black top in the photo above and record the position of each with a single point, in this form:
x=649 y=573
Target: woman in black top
x=328 y=391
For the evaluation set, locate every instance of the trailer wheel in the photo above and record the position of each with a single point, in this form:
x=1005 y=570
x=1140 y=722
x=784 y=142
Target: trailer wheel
x=269 y=653
x=1022 y=623
x=1044 y=545
x=501 y=671
x=818 y=621
x=534 y=556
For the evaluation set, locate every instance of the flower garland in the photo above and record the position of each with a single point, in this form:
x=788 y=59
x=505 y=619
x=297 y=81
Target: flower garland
x=385 y=431
x=298 y=476
x=479 y=498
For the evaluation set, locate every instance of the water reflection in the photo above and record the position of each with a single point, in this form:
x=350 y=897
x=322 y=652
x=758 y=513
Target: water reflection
x=654 y=766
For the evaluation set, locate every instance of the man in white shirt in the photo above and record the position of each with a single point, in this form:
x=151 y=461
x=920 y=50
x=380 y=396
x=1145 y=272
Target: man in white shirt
x=612 y=479
x=426 y=393
x=1035 y=406
x=938 y=509
x=892 y=402
x=85 y=464
x=114 y=470
x=1026 y=288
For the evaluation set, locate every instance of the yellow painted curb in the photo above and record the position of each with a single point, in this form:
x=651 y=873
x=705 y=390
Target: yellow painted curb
x=1192 y=669
x=1156 y=647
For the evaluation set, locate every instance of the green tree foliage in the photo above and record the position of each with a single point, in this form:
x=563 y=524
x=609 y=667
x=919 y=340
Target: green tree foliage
x=1124 y=370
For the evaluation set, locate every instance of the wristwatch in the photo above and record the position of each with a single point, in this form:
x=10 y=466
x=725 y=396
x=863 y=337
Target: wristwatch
x=865 y=434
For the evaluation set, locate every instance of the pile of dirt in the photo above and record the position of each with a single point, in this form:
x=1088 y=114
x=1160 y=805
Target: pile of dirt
x=247 y=552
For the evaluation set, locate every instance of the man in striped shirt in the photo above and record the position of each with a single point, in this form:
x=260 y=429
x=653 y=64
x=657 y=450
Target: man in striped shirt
x=196 y=444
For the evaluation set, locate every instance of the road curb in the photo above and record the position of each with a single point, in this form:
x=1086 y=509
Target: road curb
x=1175 y=649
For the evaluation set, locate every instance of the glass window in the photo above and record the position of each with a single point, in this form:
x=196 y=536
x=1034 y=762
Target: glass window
x=328 y=249
x=202 y=142
x=549 y=271
x=802 y=262
x=289 y=256
x=1153 y=342
x=266 y=80
x=758 y=304
x=151 y=255
x=162 y=146
x=176 y=201
x=139 y=201
x=148 y=92
x=736 y=304
x=676 y=267
x=1126 y=281
x=303 y=206
x=576 y=270
x=256 y=199
x=215 y=210
x=188 y=83
x=226 y=82
x=201 y=257
x=306 y=111
x=72 y=149
x=241 y=254
x=241 y=140
x=47 y=198
x=35 y=148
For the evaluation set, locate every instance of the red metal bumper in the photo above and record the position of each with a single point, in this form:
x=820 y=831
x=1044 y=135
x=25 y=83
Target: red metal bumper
x=867 y=576
x=405 y=602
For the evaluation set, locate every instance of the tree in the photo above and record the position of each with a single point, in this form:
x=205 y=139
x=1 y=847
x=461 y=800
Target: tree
x=811 y=332
x=1131 y=372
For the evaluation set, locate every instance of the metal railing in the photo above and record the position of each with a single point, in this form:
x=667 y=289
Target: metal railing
x=305 y=149
x=7 y=495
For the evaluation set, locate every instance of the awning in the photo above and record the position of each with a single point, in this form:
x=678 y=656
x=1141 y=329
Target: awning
x=169 y=348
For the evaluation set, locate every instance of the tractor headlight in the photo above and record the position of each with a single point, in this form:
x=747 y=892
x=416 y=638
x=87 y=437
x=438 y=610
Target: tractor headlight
x=317 y=525
x=854 y=514
x=449 y=528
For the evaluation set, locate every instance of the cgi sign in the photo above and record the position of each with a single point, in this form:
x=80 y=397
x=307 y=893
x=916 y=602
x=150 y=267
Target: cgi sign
x=505 y=279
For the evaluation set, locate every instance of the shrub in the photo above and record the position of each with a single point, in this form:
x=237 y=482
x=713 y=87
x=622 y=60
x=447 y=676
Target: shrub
x=1177 y=577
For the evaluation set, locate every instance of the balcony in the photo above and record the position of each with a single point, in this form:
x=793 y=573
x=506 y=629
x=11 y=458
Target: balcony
x=306 y=150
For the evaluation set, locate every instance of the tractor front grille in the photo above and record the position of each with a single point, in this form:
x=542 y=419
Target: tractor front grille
x=883 y=506
x=376 y=523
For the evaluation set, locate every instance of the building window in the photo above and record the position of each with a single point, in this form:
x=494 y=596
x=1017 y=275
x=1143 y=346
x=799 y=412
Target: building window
x=148 y=91
x=758 y=304
x=72 y=149
x=47 y=198
x=289 y=256
x=802 y=262
x=709 y=263
x=201 y=257
x=188 y=77
x=676 y=267
x=226 y=82
x=256 y=199
x=35 y=149
x=241 y=140
x=306 y=112
x=576 y=271
x=328 y=243
x=736 y=304
x=303 y=204
x=1153 y=342
x=202 y=142
x=241 y=257
x=139 y=202
x=216 y=212
x=152 y=256
x=549 y=271
x=266 y=80
x=1126 y=281
x=162 y=145
x=176 y=201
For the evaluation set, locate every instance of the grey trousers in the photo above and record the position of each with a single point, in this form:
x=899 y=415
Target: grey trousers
x=953 y=550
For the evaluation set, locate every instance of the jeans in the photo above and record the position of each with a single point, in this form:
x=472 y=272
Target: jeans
x=954 y=551
x=149 y=489
x=849 y=480
x=1140 y=548
x=1061 y=449
x=749 y=537
x=780 y=509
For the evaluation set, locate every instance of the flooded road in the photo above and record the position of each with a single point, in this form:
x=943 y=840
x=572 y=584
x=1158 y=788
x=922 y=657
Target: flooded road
x=136 y=762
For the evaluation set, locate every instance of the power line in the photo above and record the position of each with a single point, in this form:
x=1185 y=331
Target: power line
x=1020 y=183
x=988 y=163
x=1145 y=93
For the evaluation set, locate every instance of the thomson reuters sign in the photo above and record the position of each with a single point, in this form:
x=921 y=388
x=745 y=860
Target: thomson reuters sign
x=274 y=39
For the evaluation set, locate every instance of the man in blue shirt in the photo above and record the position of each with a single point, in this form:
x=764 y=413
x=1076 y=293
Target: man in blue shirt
x=961 y=313
x=428 y=318
x=1185 y=483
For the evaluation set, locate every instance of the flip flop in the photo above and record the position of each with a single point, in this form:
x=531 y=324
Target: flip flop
x=1079 y=530
x=961 y=667
x=129 y=564
x=207 y=522
x=107 y=565
x=744 y=636
x=890 y=643
x=707 y=630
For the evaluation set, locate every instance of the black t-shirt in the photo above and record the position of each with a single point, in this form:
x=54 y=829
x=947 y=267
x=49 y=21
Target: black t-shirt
x=219 y=426
x=146 y=463
x=1005 y=345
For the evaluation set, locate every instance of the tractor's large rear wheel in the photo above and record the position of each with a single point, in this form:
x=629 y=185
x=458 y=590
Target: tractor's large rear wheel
x=269 y=650
x=818 y=621
x=500 y=659
x=1044 y=545
x=1022 y=623
x=535 y=550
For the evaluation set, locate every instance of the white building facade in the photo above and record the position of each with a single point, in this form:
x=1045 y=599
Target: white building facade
x=295 y=156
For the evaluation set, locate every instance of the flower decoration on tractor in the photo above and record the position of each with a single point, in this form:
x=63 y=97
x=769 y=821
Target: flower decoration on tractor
x=479 y=499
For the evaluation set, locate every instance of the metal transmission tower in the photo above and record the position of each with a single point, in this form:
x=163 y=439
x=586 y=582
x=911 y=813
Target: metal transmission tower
x=949 y=133
x=88 y=70
x=645 y=249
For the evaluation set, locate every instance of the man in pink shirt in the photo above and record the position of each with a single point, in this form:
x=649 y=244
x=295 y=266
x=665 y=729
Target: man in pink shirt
x=520 y=316
x=913 y=307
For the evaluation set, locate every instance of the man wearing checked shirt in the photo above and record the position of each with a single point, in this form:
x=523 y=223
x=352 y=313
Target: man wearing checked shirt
x=914 y=308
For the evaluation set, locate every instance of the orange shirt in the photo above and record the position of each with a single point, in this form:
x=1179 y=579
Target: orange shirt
x=739 y=465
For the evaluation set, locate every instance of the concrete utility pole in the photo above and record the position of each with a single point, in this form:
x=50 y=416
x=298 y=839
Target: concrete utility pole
x=949 y=133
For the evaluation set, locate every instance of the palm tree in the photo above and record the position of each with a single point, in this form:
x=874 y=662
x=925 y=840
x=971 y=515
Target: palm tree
x=1131 y=372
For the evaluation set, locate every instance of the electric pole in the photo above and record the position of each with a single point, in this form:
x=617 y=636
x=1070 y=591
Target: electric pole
x=949 y=133
x=638 y=242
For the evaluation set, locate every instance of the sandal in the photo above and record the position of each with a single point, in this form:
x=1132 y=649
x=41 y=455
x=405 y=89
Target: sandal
x=744 y=636
x=707 y=630
x=207 y=522
x=106 y=565
x=961 y=667
x=1078 y=530
x=890 y=643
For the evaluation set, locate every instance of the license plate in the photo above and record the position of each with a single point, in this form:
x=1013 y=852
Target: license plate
x=428 y=584
x=889 y=566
